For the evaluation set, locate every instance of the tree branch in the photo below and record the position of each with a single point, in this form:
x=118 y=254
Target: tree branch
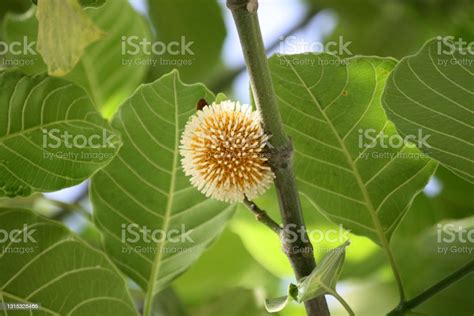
x=299 y=250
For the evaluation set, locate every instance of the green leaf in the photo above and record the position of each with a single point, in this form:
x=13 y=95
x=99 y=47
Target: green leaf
x=431 y=94
x=145 y=186
x=440 y=250
x=51 y=136
x=64 y=32
x=326 y=104
x=53 y=267
x=200 y=25
x=109 y=75
x=321 y=281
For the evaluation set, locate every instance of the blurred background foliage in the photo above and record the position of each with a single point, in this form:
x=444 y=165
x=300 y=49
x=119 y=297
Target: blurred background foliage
x=246 y=264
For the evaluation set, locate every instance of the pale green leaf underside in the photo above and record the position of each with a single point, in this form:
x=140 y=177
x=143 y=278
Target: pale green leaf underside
x=433 y=92
x=101 y=70
x=324 y=103
x=322 y=280
x=145 y=185
x=31 y=107
x=64 y=32
x=60 y=272
x=324 y=277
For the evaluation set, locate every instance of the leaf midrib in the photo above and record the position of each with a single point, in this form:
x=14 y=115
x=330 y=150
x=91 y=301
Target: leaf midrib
x=360 y=183
x=155 y=269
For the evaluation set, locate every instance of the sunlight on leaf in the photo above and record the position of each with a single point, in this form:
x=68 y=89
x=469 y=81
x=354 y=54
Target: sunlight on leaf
x=109 y=78
x=64 y=32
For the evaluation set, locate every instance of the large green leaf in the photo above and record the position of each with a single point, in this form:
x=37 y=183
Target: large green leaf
x=104 y=71
x=145 y=186
x=432 y=94
x=326 y=103
x=46 y=264
x=35 y=111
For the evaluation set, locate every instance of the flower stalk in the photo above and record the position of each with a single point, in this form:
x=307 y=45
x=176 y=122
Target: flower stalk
x=299 y=250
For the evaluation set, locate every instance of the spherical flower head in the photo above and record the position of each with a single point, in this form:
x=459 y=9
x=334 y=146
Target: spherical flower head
x=222 y=149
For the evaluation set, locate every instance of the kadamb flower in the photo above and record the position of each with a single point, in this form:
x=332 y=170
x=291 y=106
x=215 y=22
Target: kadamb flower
x=223 y=152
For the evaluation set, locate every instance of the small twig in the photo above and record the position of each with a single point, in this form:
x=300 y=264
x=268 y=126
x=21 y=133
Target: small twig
x=433 y=290
x=262 y=216
x=67 y=208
